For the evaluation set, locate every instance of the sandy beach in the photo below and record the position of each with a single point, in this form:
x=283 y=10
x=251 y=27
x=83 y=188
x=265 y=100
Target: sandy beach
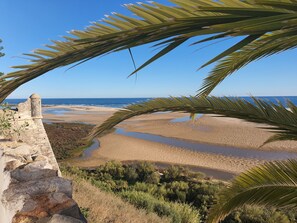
x=206 y=129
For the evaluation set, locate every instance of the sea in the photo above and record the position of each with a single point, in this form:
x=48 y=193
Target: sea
x=122 y=102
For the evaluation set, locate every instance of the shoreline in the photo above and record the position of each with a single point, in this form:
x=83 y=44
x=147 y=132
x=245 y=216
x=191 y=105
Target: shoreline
x=207 y=130
x=214 y=130
x=203 y=124
x=133 y=149
x=81 y=107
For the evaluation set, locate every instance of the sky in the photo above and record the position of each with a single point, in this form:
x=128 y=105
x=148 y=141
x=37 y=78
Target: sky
x=27 y=25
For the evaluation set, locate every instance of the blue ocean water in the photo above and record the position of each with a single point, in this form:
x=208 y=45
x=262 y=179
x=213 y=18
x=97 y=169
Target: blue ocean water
x=100 y=102
x=121 y=102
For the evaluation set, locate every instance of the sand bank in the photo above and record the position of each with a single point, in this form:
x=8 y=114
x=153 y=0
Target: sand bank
x=123 y=148
x=81 y=108
x=212 y=130
x=208 y=129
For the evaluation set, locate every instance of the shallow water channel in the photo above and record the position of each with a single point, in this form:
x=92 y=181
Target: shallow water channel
x=87 y=153
x=208 y=148
x=199 y=147
x=191 y=145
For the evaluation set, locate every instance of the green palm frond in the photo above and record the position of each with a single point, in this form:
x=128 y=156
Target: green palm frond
x=281 y=120
x=171 y=26
x=1 y=54
x=267 y=45
x=273 y=184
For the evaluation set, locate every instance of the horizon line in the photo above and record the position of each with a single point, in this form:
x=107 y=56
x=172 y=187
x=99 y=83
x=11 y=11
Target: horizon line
x=151 y=97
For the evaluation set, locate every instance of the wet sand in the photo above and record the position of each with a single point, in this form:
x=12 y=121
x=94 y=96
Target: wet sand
x=207 y=129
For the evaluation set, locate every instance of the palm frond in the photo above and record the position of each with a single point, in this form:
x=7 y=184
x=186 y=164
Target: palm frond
x=267 y=45
x=281 y=120
x=1 y=55
x=273 y=184
x=172 y=25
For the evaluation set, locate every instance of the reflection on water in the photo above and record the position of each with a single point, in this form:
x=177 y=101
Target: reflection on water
x=47 y=121
x=87 y=153
x=208 y=148
x=186 y=118
x=63 y=111
x=56 y=111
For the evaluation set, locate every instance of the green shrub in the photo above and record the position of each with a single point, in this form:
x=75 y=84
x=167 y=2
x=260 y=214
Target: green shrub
x=196 y=175
x=153 y=178
x=185 y=213
x=144 y=170
x=175 y=173
x=130 y=174
x=257 y=215
x=106 y=186
x=105 y=177
x=180 y=213
x=10 y=128
x=177 y=191
x=144 y=187
x=139 y=199
x=115 y=169
x=202 y=195
x=120 y=185
x=85 y=211
x=162 y=191
x=178 y=186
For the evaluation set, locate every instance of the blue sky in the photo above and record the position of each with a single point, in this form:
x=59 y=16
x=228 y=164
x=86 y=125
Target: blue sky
x=27 y=25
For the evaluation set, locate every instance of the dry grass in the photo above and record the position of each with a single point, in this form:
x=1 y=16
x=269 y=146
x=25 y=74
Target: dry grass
x=107 y=208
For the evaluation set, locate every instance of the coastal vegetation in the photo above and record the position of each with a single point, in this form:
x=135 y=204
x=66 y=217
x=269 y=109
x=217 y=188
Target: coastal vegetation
x=99 y=206
x=8 y=129
x=65 y=139
x=1 y=55
x=173 y=193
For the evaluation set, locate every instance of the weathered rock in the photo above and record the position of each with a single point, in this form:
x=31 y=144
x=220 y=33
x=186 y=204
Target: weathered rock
x=40 y=208
x=32 y=189
x=13 y=164
x=42 y=162
x=20 y=150
x=28 y=173
x=24 y=219
x=21 y=153
x=64 y=219
x=40 y=158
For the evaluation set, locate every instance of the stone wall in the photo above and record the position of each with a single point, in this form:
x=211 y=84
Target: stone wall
x=32 y=189
x=29 y=114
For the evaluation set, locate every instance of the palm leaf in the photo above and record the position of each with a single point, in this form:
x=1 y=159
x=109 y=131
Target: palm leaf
x=157 y=22
x=164 y=51
x=1 y=55
x=273 y=184
x=267 y=45
x=232 y=49
x=281 y=121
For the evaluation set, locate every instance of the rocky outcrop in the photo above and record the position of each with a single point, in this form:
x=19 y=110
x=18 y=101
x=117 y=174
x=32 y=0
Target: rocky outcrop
x=32 y=189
